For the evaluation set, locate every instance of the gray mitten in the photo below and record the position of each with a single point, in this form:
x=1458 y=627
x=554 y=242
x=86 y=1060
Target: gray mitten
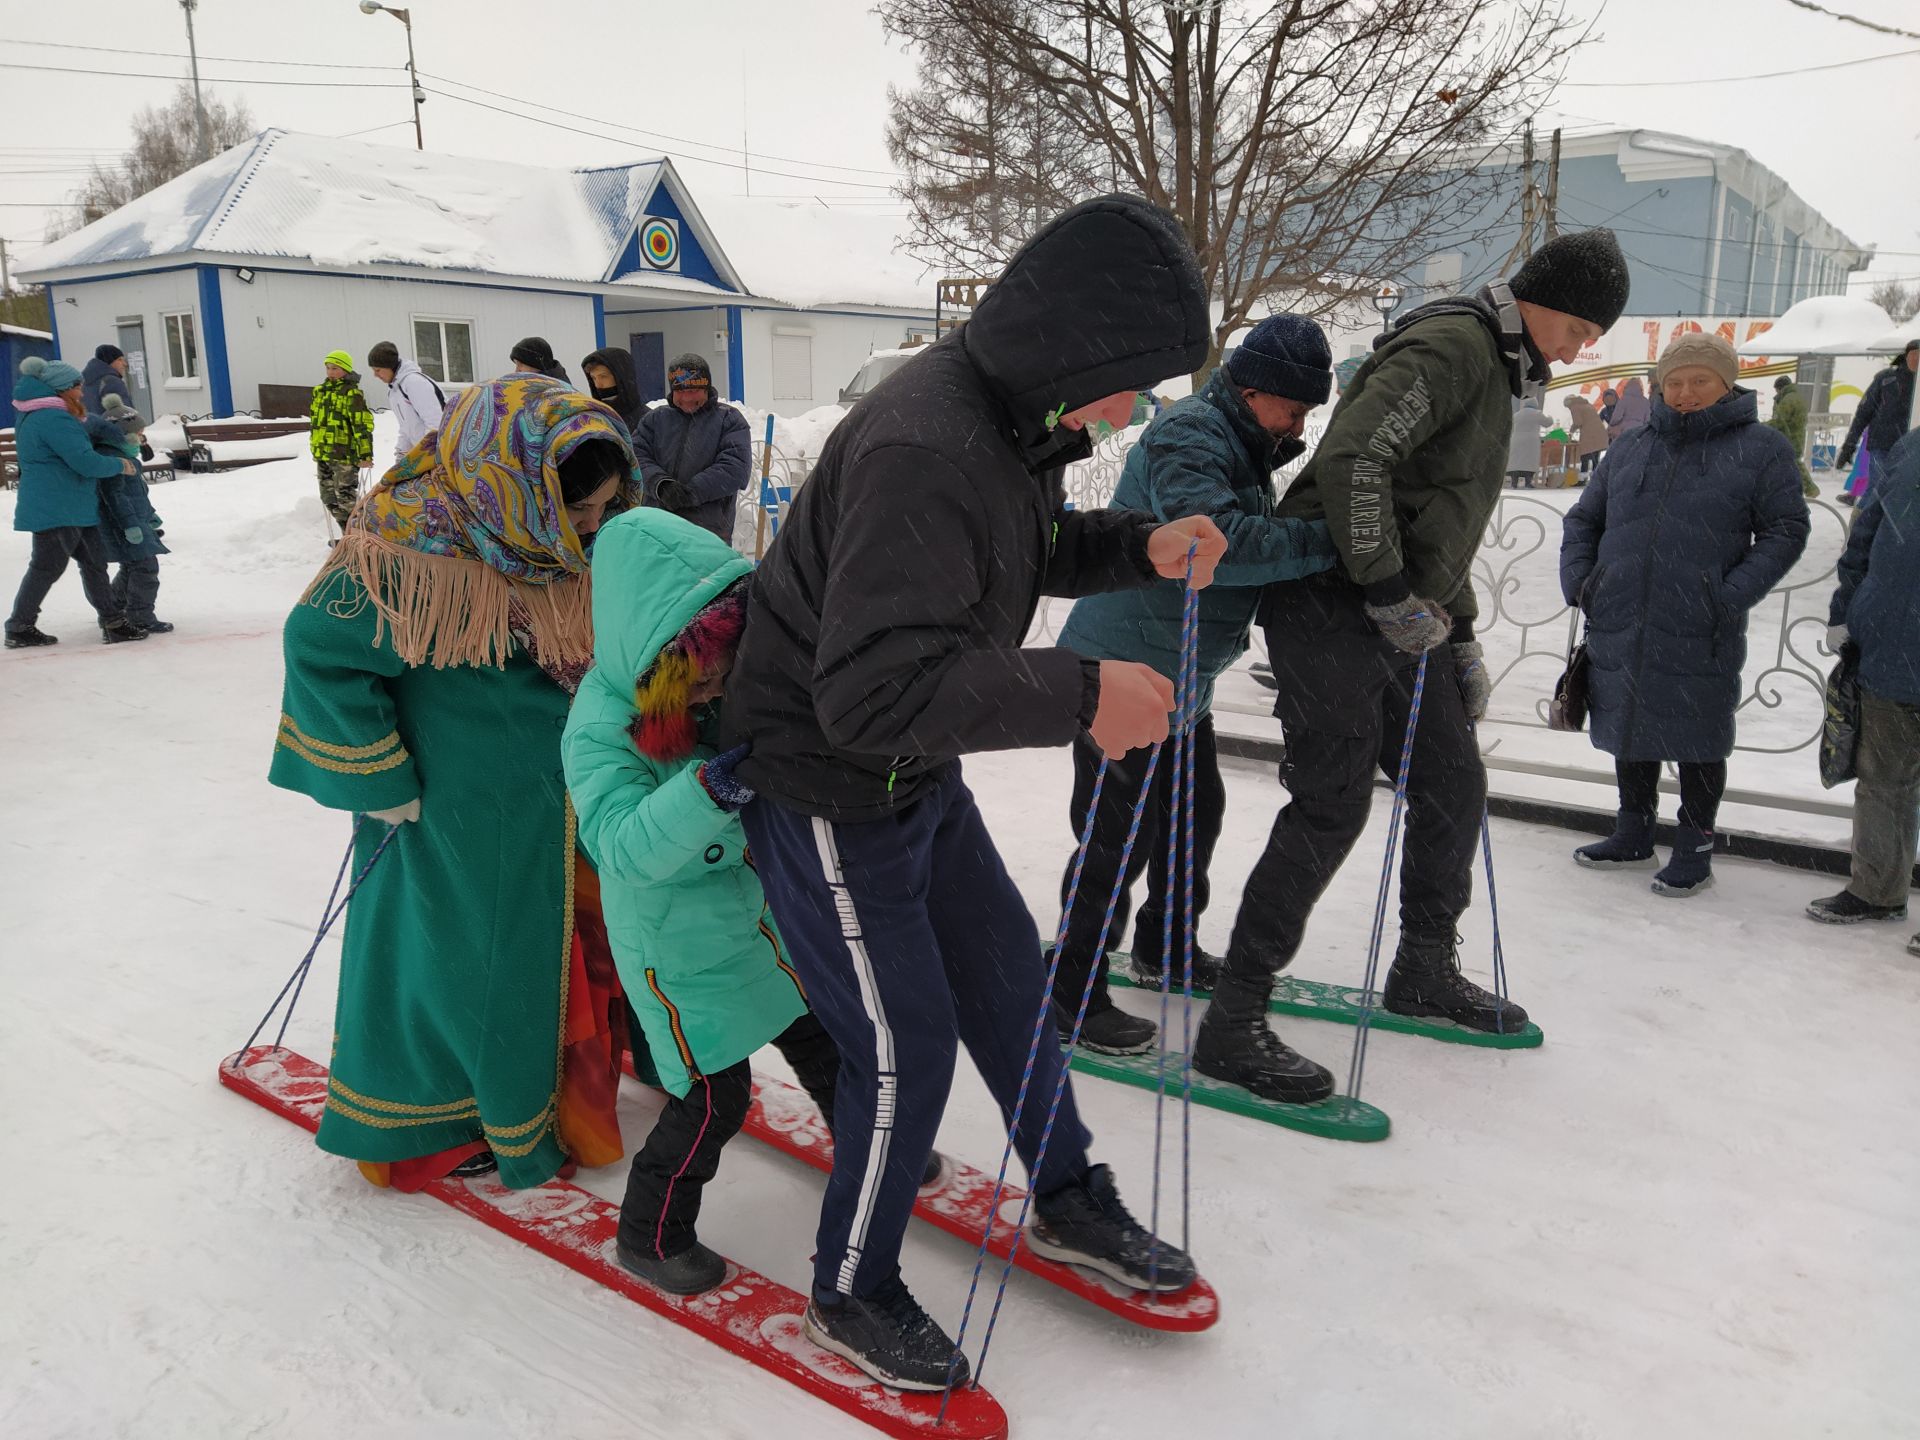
x=134 y=534
x=1470 y=669
x=1414 y=624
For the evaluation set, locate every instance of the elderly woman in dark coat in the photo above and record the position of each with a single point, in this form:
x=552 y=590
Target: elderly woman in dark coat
x=1690 y=520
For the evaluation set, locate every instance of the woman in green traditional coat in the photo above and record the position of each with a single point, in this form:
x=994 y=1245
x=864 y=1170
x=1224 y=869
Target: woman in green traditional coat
x=430 y=666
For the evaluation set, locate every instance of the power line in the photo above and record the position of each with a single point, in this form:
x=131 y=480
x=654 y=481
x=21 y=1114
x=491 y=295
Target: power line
x=1730 y=79
x=702 y=159
x=661 y=135
x=174 y=55
x=220 y=80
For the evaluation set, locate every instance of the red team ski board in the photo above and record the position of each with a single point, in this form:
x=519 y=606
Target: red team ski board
x=786 y=1118
x=750 y=1315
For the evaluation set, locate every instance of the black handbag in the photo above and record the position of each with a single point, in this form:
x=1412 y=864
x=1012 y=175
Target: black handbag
x=1568 y=709
x=1840 y=727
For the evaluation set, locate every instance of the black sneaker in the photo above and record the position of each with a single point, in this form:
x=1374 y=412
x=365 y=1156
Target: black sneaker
x=1913 y=945
x=1108 y=1030
x=690 y=1272
x=30 y=637
x=936 y=1172
x=1426 y=982
x=1144 y=966
x=1085 y=1224
x=475 y=1166
x=1847 y=908
x=119 y=632
x=156 y=627
x=888 y=1336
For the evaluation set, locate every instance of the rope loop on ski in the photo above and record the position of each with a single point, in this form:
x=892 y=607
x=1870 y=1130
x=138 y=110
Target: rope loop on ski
x=1357 y=1065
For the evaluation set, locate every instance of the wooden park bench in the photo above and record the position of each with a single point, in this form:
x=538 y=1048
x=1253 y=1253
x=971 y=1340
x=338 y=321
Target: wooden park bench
x=203 y=433
x=155 y=469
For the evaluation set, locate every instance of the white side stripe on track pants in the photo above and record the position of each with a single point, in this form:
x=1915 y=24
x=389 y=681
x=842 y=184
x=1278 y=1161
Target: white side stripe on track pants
x=886 y=1078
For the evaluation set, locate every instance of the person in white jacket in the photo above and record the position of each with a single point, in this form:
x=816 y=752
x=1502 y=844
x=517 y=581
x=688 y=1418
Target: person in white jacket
x=418 y=403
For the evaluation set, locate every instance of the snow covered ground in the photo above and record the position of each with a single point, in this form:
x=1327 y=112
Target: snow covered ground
x=1691 y=1213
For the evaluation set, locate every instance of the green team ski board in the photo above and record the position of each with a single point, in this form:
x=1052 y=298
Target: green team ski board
x=1338 y=1118
x=1344 y=1004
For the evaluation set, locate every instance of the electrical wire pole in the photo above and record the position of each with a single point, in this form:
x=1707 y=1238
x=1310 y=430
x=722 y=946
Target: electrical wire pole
x=1550 y=206
x=193 y=56
x=1523 y=242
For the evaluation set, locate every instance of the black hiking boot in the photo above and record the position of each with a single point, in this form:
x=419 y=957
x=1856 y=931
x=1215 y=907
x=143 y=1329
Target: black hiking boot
x=1847 y=908
x=888 y=1336
x=1085 y=1224
x=30 y=637
x=1425 y=981
x=1144 y=966
x=1237 y=1045
x=1630 y=847
x=690 y=1272
x=119 y=632
x=1108 y=1030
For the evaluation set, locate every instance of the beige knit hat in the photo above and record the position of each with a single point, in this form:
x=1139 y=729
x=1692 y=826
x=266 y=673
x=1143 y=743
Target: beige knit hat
x=1699 y=348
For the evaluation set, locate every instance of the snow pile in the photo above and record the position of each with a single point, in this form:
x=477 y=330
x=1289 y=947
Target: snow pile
x=1822 y=325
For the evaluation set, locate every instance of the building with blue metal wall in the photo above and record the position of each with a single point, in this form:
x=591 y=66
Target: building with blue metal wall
x=16 y=344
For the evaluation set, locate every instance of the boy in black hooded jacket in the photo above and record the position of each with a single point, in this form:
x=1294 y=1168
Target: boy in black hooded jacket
x=882 y=643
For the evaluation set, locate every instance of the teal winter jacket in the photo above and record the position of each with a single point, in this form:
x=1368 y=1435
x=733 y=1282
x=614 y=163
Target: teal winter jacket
x=60 y=473
x=695 y=944
x=1205 y=455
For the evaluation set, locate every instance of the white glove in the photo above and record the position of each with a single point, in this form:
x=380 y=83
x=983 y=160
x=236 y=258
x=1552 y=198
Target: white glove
x=1836 y=637
x=399 y=814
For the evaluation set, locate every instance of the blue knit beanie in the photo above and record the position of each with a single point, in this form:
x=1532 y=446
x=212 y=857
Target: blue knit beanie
x=56 y=375
x=1287 y=356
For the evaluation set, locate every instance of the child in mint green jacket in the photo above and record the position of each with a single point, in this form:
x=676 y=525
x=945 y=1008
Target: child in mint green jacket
x=698 y=953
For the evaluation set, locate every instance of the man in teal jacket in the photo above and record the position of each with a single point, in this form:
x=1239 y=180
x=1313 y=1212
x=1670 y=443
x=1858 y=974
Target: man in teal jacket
x=60 y=475
x=1211 y=454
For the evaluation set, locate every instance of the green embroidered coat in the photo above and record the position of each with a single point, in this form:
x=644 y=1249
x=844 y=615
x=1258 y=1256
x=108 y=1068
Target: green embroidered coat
x=454 y=971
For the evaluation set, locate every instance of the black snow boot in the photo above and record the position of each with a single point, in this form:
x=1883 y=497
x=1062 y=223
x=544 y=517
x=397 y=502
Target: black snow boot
x=1847 y=908
x=1107 y=1029
x=1144 y=964
x=887 y=1335
x=1630 y=847
x=1237 y=1045
x=689 y=1272
x=119 y=631
x=1690 y=868
x=1085 y=1224
x=28 y=638
x=1425 y=981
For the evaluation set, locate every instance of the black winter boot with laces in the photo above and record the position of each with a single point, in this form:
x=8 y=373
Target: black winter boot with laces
x=1426 y=981
x=1236 y=1044
x=888 y=1336
x=1085 y=1224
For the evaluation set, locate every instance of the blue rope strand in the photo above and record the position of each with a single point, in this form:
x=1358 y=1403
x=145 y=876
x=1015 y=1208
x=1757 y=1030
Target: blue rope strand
x=1192 y=644
x=1493 y=904
x=1357 y=1066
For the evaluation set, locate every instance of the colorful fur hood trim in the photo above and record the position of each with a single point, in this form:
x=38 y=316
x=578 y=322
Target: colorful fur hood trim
x=665 y=728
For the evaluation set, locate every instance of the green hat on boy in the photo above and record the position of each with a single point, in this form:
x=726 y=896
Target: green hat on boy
x=340 y=358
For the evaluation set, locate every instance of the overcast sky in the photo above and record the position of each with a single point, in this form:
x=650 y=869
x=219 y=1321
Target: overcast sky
x=806 y=81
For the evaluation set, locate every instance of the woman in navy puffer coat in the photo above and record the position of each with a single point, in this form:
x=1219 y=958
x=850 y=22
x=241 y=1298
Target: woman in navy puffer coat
x=1690 y=520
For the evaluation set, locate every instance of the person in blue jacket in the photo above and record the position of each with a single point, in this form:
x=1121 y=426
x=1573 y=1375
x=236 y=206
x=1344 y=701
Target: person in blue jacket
x=695 y=454
x=1877 y=609
x=60 y=475
x=106 y=374
x=1213 y=454
x=1881 y=418
x=129 y=527
x=1689 y=521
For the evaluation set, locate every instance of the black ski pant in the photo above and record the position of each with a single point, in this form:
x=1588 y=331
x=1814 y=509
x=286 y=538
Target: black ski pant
x=911 y=939
x=683 y=1152
x=1118 y=796
x=1344 y=698
x=1702 y=783
x=136 y=585
x=52 y=549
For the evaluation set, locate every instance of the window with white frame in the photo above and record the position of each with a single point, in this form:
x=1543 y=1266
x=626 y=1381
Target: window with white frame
x=443 y=348
x=183 y=352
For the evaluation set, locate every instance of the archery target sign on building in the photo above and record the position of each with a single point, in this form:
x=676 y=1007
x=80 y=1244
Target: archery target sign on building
x=660 y=242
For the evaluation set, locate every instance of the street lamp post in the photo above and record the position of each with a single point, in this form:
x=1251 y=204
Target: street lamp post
x=374 y=7
x=1386 y=300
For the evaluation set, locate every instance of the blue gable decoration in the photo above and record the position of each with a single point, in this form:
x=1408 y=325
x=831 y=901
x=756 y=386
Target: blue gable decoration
x=694 y=263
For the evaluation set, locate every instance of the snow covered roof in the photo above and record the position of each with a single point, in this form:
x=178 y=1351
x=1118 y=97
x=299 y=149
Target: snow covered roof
x=24 y=331
x=817 y=255
x=349 y=202
x=1822 y=325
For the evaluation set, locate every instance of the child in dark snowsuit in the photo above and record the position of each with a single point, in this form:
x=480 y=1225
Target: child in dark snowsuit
x=128 y=525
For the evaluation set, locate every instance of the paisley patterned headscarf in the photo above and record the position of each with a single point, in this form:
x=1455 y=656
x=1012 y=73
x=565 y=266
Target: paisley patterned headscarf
x=466 y=540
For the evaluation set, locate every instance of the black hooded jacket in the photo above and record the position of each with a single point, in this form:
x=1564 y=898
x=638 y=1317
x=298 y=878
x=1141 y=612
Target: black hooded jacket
x=883 y=637
x=625 y=399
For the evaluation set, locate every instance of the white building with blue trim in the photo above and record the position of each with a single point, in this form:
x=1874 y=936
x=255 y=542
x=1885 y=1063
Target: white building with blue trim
x=243 y=272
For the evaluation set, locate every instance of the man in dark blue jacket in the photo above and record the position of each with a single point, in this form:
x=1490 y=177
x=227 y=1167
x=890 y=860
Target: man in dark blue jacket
x=106 y=374
x=696 y=455
x=1882 y=417
x=1877 y=608
x=1212 y=454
